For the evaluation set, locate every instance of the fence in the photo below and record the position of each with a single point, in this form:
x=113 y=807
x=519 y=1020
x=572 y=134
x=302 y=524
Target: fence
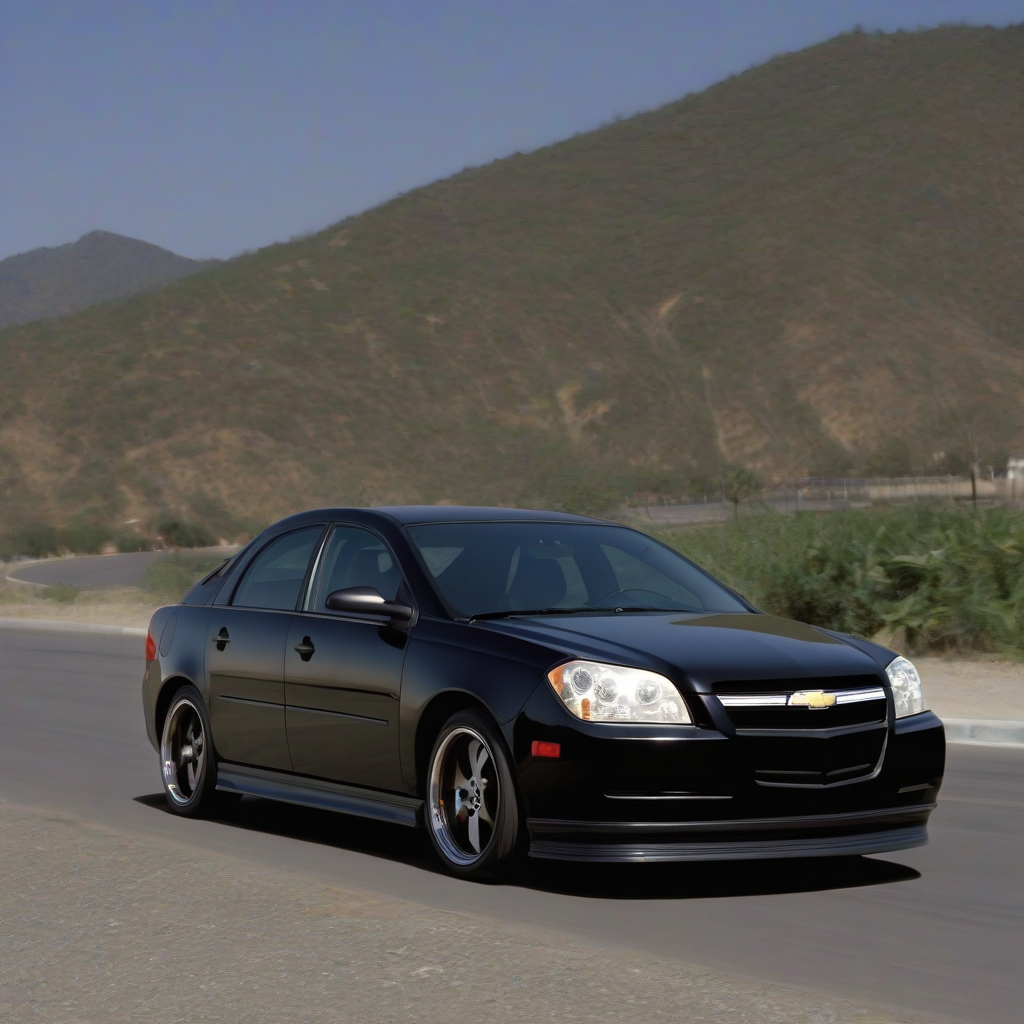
x=827 y=494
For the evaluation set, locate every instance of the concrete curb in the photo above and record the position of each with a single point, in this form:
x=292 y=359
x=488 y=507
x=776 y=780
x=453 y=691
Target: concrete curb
x=17 y=566
x=55 y=626
x=984 y=731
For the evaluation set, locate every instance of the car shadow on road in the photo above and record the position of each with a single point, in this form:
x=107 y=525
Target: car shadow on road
x=711 y=880
x=682 y=881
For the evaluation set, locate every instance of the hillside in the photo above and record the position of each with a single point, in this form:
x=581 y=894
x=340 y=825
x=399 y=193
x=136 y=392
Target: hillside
x=812 y=267
x=99 y=266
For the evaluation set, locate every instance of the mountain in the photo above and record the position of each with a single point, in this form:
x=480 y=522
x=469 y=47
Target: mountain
x=812 y=267
x=99 y=266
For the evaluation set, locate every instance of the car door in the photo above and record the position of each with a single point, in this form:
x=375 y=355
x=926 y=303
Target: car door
x=343 y=672
x=245 y=647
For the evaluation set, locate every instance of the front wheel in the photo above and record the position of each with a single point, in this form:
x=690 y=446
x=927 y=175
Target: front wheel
x=186 y=755
x=472 y=808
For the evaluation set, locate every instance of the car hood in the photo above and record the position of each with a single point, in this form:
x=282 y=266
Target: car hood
x=702 y=648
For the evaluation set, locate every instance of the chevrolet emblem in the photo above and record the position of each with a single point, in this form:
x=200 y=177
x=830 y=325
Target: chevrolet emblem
x=812 y=699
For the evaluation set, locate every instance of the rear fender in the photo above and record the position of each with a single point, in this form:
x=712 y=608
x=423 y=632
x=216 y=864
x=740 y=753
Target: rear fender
x=179 y=633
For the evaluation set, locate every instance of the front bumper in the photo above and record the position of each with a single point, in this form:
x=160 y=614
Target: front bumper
x=823 y=835
x=639 y=793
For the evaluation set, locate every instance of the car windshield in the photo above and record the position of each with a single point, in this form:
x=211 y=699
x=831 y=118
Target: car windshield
x=510 y=568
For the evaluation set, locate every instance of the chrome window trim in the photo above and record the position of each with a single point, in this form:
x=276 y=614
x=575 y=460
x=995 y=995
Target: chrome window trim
x=304 y=606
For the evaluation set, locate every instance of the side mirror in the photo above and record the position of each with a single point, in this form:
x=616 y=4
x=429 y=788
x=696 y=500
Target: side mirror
x=366 y=601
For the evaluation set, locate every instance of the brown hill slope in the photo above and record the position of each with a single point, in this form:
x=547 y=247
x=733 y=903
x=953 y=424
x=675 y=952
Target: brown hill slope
x=815 y=266
x=99 y=266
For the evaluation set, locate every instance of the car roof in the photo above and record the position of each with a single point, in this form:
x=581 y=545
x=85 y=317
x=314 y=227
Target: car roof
x=412 y=515
x=415 y=515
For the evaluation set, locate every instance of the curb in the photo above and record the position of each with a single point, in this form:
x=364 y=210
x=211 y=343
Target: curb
x=984 y=731
x=24 y=583
x=56 y=626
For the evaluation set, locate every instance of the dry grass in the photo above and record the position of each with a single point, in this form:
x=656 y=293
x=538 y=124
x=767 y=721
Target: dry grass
x=123 y=607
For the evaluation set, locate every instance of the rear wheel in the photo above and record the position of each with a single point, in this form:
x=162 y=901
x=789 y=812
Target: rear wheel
x=472 y=808
x=186 y=755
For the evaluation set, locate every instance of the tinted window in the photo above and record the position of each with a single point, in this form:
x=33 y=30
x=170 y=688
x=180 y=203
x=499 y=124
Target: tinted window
x=275 y=577
x=355 y=558
x=487 y=568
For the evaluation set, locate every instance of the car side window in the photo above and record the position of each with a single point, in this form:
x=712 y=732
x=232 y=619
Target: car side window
x=274 y=579
x=355 y=557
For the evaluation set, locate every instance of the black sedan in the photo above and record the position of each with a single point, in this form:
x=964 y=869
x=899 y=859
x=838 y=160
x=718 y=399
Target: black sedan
x=531 y=682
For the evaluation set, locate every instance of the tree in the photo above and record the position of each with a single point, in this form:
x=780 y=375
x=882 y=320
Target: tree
x=739 y=484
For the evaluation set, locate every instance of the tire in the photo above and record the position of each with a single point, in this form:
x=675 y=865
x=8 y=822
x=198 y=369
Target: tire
x=472 y=808
x=187 y=766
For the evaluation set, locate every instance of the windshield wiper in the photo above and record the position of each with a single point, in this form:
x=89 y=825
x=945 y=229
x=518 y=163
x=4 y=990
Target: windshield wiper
x=535 y=611
x=619 y=608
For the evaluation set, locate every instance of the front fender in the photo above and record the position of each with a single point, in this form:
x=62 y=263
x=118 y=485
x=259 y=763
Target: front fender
x=458 y=663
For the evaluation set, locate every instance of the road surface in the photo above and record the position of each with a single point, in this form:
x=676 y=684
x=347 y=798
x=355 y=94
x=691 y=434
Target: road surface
x=936 y=930
x=100 y=572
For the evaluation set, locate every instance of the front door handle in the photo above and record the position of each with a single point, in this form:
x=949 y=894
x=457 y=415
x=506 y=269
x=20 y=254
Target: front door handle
x=305 y=650
x=222 y=639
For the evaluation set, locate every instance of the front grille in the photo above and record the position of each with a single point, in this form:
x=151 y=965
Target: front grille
x=809 y=733
x=857 y=701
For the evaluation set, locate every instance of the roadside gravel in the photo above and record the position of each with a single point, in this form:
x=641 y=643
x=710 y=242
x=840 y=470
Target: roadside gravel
x=102 y=926
x=973 y=688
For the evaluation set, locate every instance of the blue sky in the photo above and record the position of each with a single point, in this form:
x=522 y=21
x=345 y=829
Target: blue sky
x=211 y=127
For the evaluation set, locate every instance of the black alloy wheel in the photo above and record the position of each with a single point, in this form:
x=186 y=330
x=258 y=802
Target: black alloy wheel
x=473 y=814
x=187 y=767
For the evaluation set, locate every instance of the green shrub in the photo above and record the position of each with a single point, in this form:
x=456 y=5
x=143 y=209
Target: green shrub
x=128 y=542
x=39 y=540
x=36 y=541
x=84 y=538
x=177 y=533
x=62 y=593
x=929 y=577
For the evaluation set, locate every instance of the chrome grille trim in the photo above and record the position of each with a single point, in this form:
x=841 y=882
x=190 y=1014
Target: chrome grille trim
x=753 y=700
x=855 y=696
x=765 y=700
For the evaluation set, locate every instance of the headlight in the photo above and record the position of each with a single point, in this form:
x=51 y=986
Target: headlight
x=610 y=693
x=906 y=688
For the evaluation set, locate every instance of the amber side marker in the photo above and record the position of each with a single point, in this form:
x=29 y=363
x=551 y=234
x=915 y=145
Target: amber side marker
x=540 y=748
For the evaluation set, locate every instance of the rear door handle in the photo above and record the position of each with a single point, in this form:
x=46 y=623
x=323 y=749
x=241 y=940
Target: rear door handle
x=305 y=650
x=221 y=639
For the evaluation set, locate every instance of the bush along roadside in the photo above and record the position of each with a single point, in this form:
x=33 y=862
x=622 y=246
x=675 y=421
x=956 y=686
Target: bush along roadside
x=43 y=540
x=924 y=578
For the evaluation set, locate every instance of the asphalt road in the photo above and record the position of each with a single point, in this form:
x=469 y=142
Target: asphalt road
x=936 y=930
x=99 y=572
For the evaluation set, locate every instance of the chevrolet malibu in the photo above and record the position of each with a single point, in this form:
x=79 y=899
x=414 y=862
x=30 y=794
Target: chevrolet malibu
x=522 y=682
